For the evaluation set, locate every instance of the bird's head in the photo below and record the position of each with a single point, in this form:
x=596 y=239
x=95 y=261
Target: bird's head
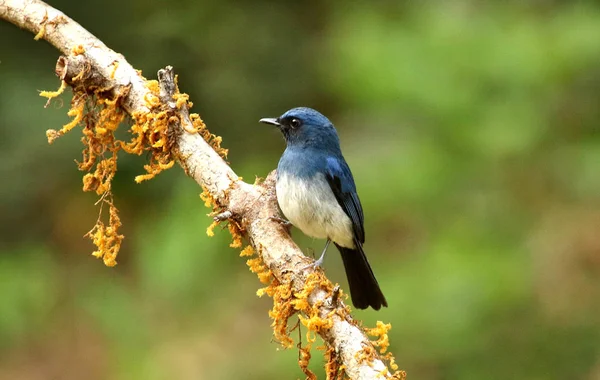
x=304 y=126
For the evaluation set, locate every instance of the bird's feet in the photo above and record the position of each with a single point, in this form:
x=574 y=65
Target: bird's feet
x=284 y=223
x=318 y=262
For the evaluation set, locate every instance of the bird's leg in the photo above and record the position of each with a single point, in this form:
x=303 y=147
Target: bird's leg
x=319 y=261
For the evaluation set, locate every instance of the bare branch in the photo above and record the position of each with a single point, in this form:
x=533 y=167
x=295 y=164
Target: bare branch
x=251 y=206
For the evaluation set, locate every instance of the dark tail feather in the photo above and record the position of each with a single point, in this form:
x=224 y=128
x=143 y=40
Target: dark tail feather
x=364 y=289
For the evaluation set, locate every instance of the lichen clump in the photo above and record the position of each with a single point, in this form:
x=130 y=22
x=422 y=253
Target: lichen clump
x=99 y=112
x=380 y=332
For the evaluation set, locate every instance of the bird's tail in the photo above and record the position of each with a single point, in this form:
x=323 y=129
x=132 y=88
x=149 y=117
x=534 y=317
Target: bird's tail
x=364 y=289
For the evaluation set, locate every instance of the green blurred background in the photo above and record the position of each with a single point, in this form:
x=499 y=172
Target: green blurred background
x=472 y=128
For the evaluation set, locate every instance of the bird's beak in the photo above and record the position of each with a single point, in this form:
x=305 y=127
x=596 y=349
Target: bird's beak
x=271 y=121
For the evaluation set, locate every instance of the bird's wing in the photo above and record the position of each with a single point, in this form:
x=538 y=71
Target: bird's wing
x=342 y=184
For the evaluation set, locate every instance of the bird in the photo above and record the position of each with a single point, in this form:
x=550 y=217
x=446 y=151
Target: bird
x=317 y=194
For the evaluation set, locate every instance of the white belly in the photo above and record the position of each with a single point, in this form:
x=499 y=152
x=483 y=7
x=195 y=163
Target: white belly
x=311 y=206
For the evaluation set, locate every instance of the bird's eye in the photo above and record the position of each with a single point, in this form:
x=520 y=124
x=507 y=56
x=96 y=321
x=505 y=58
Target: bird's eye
x=295 y=123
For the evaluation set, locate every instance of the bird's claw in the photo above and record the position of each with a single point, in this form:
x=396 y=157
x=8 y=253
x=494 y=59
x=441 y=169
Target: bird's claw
x=316 y=264
x=284 y=223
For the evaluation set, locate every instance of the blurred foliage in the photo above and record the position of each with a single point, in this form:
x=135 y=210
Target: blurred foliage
x=471 y=128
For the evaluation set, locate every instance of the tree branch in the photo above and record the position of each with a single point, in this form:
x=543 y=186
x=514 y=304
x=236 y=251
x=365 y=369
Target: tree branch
x=249 y=207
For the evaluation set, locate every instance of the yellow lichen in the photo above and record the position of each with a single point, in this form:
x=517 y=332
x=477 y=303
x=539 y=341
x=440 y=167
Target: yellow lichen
x=248 y=251
x=281 y=312
x=212 y=140
x=392 y=361
x=207 y=197
x=233 y=226
x=77 y=113
x=265 y=276
x=77 y=50
x=99 y=112
x=79 y=76
x=152 y=99
x=398 y=375
x=255 y=265
x=197 y=122
x=41 y=33
x=42 y=30
x=107 y=238
x=236 y=235
x=51 y=135
x=54 y=94
x=315 y=324
x=303 y=361
x=182 y=100
x=152 y=85
x=287 y=302
x=380 y=331
x=366 y=355
x=115 y=65
x=210 y=229
x=151 y=133
x=101 y=180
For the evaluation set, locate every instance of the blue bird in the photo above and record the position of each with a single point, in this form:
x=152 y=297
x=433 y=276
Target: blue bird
x=317 y=194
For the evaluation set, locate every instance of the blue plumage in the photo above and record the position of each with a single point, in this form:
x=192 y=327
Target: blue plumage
x=317 y=193
x=342 y=184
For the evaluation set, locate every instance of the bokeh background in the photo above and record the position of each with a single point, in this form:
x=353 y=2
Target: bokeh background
x=472 y=128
